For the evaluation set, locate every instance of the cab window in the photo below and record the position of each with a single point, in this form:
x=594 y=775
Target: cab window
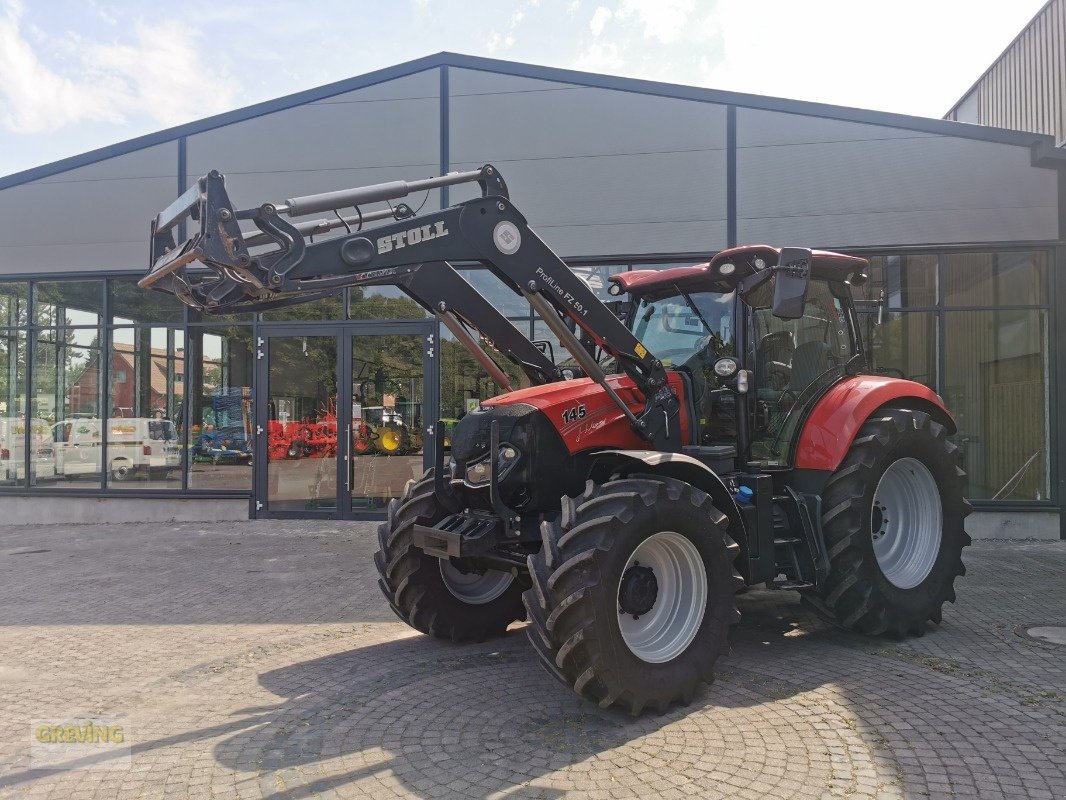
x=795 y=361
x=690 y=331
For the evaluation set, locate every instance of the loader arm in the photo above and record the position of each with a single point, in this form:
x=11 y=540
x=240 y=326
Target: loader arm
x=219 y=269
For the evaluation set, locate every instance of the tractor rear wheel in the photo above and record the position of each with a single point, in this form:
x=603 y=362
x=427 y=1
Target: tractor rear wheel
x=446 y=599
x=632 y=592
x=893 y=524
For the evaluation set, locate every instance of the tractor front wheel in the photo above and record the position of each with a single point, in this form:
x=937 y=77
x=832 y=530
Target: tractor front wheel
x=632 y=592
x=893 y=517
x=448 y=599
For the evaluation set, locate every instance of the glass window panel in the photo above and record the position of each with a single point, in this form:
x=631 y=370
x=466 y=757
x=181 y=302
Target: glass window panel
x=219 y=319
x=795 y=360
x=387 y=426
x=130 y=304
x=995 y=279
x=13 y=358
x=326 y=308
x=903 y=345
x=561 y=356
x=144 y=399
x=908 y=281
x=14 y=304
x=463 y=381
x=68 y=302
x=995 y=384
x=66 y=399
x=302 y=452
x=492 y=289
x=382 y=302
x=220 y=439
x=595 y=277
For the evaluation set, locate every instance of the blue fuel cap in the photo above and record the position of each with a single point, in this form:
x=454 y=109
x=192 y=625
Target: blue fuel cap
x=745 y=495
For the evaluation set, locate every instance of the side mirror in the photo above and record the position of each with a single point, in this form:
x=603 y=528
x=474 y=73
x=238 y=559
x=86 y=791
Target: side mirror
x=620 y=308
x=545 y=347
x=793 y=275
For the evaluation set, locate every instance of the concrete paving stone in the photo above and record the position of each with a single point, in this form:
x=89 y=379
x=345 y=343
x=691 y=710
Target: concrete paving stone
x=260 y=659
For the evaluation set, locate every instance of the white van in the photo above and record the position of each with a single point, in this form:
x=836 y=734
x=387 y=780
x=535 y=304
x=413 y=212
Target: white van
x=13 y=448
x=134 y=445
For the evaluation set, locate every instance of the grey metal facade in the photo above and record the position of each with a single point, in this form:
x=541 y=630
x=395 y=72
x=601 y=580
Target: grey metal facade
x=1025 y=88
x=604 y=167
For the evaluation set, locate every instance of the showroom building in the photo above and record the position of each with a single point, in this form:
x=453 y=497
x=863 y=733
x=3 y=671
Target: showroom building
x=116 y=403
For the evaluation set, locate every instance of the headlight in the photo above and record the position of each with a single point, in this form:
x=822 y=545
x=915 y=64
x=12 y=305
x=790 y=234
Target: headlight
x=726 y=367
x=477 y=473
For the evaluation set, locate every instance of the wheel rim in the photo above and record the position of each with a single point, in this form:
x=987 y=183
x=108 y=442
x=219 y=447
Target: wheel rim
x=669 y=626
x=906 y=523
x=474 y=588
x=390 y=440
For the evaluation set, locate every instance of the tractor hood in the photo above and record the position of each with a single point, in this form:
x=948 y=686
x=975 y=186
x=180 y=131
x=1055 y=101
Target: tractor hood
x=585 y=417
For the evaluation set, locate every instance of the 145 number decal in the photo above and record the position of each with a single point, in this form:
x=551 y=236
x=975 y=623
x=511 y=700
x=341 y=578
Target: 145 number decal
x=574 y=414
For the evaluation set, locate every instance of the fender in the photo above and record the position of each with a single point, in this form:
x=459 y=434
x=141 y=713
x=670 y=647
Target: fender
x=672 y=465
x=836 y=418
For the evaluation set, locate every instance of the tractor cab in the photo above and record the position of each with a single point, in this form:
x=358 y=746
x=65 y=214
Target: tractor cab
x=761 y=332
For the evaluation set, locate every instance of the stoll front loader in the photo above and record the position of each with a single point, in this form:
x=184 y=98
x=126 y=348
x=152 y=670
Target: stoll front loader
x=722 y=432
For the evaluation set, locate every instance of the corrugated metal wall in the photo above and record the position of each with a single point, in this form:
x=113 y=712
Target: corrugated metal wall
x=596 y=171
x=379 y=133
x=599 y=172
x=1026 y=88
x=845 y=184
x=91 y=218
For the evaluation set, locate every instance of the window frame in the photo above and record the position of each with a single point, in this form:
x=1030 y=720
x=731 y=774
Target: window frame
x=1055 y=336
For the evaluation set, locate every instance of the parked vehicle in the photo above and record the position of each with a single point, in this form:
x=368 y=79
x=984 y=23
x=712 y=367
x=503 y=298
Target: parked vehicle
x=13 y=449
x=135 y=446
x=390 y=434
x=226 y=433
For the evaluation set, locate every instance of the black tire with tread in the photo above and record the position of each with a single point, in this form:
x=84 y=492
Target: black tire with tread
x=856 y=595
x=411 y=580
x=573 y=604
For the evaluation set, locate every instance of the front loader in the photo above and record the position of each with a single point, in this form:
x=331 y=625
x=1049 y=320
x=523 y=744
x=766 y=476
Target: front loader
x=723 y=431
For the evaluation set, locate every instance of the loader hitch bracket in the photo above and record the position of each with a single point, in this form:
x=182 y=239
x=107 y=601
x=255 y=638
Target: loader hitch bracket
x=463 y=535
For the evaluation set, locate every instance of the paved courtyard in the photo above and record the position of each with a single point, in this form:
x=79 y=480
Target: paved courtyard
x=259 y=659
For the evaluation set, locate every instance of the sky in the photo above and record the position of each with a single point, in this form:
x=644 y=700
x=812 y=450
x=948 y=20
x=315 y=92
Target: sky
x=80 y=74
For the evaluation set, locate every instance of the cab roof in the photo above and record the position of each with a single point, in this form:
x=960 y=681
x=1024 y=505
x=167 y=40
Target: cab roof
x=825 y=265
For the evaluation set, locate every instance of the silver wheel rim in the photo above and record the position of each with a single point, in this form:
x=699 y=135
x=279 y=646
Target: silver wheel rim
x=669 y=627
x=906 y=523
x=474 y=588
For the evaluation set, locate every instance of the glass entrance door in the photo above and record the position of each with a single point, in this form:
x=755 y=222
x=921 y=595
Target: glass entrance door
x=389 y=424
x=300 y=438
x=344 y=416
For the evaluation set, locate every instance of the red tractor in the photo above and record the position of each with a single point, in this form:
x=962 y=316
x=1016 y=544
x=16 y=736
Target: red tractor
x=723 y=432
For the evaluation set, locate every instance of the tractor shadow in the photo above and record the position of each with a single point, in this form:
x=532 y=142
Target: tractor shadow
x=479 y=720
